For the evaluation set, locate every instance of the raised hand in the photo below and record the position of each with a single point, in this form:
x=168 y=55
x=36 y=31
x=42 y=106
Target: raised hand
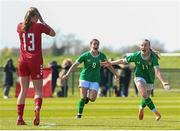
x=105 y=64
x=40 y=18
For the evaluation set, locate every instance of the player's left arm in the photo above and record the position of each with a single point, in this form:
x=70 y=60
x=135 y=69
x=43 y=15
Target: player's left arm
x=161 y=78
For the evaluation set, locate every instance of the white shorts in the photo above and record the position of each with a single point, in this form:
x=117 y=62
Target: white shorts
x=148 y=86
x=89 y=85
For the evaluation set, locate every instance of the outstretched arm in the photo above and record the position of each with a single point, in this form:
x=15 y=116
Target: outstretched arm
x=72 y=68
x=109 y=66
x=116 y=62
x=160 y=77
x=113 y=71
x=110 y=63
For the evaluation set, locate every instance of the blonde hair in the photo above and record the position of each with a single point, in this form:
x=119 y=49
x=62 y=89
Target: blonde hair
x=27 y=19
x=66 y=61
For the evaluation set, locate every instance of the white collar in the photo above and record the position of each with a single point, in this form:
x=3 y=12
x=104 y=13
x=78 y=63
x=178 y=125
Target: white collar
x=146 y=58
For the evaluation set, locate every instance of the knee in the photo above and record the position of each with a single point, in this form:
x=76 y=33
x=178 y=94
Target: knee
x=92 y=99
x=145 y=96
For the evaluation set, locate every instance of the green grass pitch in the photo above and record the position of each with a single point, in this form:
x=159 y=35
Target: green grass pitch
x=109 y=113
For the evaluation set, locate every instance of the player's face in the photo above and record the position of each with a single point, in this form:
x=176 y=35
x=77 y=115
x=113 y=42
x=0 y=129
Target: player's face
x=145 y=48
x=95 y=45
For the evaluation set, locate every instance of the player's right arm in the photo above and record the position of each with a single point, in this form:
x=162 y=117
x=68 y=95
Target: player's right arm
x=71 y=69
x=74 y=66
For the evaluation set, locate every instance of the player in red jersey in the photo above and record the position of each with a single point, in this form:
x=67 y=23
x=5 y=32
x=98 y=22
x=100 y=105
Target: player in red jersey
x=30 y=62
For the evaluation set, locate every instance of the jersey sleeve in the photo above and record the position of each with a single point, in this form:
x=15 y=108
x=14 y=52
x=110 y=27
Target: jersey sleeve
x=44 y=28
x=130 y=58
x=81 y=58
x=104 y=58
x=155 y=60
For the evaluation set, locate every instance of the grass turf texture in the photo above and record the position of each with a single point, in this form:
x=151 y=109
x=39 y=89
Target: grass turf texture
x=109 y=113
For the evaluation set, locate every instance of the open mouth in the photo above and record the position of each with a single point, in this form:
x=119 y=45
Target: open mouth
x=143 y=50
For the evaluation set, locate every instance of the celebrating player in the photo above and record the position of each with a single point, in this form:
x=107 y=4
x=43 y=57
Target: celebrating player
x=90 y=75
x=30 y=60
x=146 y=62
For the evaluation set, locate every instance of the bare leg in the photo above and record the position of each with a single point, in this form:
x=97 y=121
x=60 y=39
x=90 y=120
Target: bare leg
x=81 y=103
x=24 y=83
x=38 y=100
x=145 y=94
x=92 y=95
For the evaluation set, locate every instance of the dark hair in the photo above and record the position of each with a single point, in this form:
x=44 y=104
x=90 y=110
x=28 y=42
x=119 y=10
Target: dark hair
x=27 y=19
x=94 y=40
x=157 y=53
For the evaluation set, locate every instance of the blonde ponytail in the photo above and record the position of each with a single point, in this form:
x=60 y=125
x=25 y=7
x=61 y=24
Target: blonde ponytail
x=157 y=53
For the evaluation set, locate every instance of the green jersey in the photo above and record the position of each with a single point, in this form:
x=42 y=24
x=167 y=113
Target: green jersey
x=144 y=68
x=91 y=67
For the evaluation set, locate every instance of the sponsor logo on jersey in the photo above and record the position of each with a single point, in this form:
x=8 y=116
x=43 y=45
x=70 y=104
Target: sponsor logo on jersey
x=138 y=62
x=149 y=63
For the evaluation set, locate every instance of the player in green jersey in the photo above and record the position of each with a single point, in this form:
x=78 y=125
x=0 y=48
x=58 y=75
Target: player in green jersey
x=147 y=66
x=90 y=74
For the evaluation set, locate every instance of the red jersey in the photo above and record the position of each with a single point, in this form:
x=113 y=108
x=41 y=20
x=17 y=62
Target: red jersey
x=30 y=42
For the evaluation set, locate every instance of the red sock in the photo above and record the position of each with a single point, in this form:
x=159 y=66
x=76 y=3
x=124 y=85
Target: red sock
x=20 y=111
x=38 y=103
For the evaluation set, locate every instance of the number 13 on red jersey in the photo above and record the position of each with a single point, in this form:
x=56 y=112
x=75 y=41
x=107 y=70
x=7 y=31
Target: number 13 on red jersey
x=28 y=45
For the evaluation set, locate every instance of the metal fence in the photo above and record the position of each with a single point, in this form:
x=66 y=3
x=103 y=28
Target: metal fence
x=171 y=75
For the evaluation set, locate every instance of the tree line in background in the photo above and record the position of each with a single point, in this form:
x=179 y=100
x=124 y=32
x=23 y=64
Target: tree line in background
x=70 y=45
